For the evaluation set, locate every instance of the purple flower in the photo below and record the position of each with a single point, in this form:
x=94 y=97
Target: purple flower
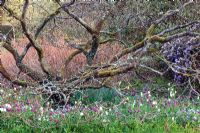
x=36 y=104
x=95 y=109
x=130 y=111
x=17 y=109
x=133 y=93
x=33 y=109
x=28 y=101
x=175 y=103
x=51 y=113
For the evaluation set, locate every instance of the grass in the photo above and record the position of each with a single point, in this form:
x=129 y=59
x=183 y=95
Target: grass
x=101 y=95
x=104 y=110
x=81 y=124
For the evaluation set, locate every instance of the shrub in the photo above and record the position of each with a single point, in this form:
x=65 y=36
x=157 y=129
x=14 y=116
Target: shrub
x=183 y=57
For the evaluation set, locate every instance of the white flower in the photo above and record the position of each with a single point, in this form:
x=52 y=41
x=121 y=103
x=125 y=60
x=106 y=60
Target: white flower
x=154 y=102
x=2 y=109
x=158 y=110
x=133 y=105
x=169 y=84
x=149 y=93
x=8 y=106
x=100 y=108
x=47 y=104
x=81 y=114
x=1 y=91
x=39 y=119
x=141 y=94
x=41 y=110
x=104 y=120
x=45 y=119
x=160 y=13
x=156 y=106
x=127 y=99
x=140 y=104
x=172 y=94
x=106 y=113
x=195 y=118
x=173 y=119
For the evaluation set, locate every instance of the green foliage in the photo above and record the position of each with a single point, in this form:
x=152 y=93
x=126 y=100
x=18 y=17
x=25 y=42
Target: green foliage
x=117 y=126
x=135 y=114
x=96 y=95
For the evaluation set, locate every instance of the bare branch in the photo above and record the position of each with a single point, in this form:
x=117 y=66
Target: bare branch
x=79 y=20
x=46 y=20
x=25 y=7
x=71 y=56
x=92 y=31
x=24 y=52
x=12 y=13
x=10 y=78
x=191 y=34
x=153 y=70
x=155 y=38
x=177 y=28
x=34 y=75
x=172 y=12
x=78 y=47
x=127 y=50
x=39 y=29
x=28 y=35
x=111 y=40
x=101 y=73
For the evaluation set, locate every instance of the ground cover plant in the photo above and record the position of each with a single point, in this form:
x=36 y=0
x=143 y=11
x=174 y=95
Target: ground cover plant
x=130 y=113
x=99 y=66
